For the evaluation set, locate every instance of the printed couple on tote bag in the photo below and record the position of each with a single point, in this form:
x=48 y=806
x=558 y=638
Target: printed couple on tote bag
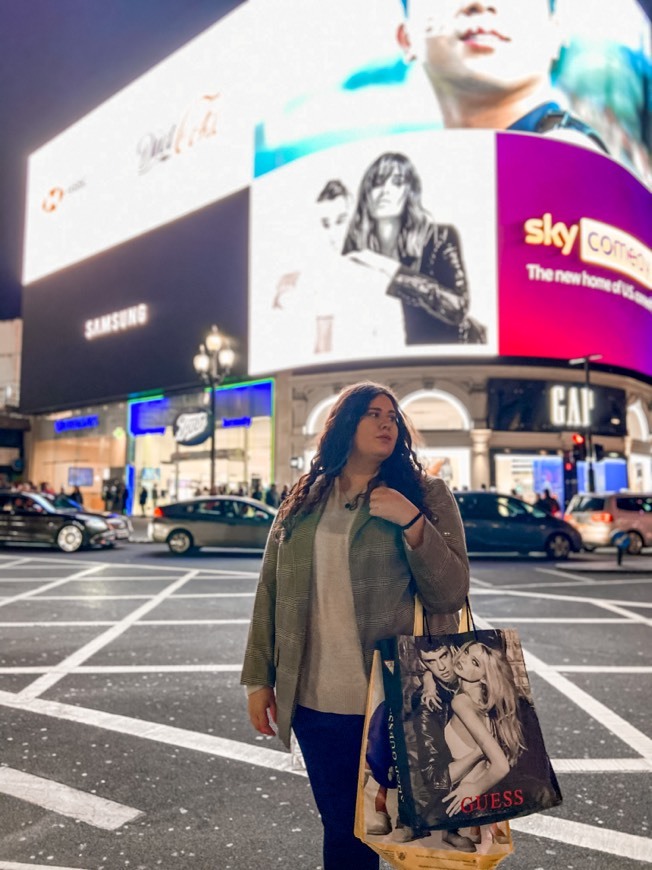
x=452 y=750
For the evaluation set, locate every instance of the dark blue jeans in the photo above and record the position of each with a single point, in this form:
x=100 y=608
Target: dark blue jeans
x=330 y=743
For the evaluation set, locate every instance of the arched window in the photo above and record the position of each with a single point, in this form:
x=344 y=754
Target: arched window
x=434 y=410
x=637 y=425
x=318 y=415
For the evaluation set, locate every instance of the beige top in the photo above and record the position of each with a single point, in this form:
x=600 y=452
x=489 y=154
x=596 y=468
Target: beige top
x=333 y=678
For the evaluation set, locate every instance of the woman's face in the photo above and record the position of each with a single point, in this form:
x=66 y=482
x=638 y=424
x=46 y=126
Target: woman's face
x=387 y=198
x=377 y=432
x=470 y=664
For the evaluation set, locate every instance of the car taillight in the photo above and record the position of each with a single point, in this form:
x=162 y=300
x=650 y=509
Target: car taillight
x=602 y=517
x=158 y=512
x=568 y=517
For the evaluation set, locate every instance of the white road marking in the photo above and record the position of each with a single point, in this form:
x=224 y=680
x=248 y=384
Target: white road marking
x=635 y=739
x=45 y=682
x=193 y=622
x=480 y=582
x=606 y=670
x=194 y=740
x=565 y=574
x=586 y=836
x=127 y=669
x=14 y=865
x=55 y=624
x=66 y=801
x=623 y=582
x=565 y=620
x=59 y=561
x=601 y=765
x=630 y=614
x=246 y=752
x=13 y=563
x=78 y=575
x=550 y=596
x=91 y=597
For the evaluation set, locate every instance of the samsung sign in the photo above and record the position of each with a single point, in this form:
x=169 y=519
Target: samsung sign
x=192 y=427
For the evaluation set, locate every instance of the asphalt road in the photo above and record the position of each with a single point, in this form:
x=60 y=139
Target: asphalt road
x=125 y=742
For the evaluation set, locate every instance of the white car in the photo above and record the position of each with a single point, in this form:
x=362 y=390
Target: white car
x=598 y=516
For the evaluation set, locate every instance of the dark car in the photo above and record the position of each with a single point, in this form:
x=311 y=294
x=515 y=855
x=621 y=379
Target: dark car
x=31 y=518
x=495 y=523
x=120 y=524
x=224 y=521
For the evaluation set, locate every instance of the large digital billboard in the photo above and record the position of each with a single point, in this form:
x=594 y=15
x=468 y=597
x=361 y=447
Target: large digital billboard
x=325 y=183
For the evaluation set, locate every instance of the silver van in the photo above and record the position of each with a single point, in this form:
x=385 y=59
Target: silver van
x=596 y=516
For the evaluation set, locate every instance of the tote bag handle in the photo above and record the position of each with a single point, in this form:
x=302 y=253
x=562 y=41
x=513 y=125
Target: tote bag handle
x=467 y=623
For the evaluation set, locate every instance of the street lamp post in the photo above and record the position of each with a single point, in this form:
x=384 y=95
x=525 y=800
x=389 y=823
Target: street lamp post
x=585 y=361
x=213 y=363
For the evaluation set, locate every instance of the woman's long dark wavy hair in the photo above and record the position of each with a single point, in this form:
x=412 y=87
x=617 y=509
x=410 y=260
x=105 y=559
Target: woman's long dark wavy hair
x=401 y=471
x=415 y=220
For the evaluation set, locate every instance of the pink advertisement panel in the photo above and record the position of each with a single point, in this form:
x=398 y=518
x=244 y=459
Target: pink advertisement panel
x=574 y=258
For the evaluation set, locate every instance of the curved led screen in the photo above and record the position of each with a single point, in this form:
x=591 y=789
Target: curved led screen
x=338 y=193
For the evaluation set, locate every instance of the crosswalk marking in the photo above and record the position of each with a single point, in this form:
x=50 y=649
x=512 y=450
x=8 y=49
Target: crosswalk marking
x=66 y=801
x=78 y=575
x=586 y=836
x=42 y=684
x=14 y=865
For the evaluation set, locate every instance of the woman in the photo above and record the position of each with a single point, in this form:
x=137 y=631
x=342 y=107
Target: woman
x=359 y=534
x=389 y=225
x=484 y=734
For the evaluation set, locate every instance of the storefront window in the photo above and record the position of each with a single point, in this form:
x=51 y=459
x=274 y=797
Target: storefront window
x=528 y=475
x=166 y=470
x=82 y=449
x=176 y=472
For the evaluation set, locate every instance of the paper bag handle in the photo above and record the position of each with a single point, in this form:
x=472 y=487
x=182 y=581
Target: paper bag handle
x=467 y=623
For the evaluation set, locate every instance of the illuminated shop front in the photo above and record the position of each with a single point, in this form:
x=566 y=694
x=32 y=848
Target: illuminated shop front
x=84 y=448
x=494 y=429
x=243 y=442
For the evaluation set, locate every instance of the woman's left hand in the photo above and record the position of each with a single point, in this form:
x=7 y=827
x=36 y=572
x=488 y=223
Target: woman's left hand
x=390 y=504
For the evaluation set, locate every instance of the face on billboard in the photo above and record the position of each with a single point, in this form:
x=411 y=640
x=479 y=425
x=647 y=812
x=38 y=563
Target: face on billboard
x=334 y=207
x=482 y=46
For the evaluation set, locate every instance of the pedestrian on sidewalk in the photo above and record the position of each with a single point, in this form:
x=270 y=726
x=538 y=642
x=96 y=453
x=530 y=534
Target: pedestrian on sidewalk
x=361 y=532
x=142 y=499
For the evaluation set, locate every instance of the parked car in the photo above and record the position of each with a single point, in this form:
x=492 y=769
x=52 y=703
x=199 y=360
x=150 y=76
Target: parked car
x=495 y=522
x=222 y=521
x=120 y=524
x=32 y=518
x=597 y=516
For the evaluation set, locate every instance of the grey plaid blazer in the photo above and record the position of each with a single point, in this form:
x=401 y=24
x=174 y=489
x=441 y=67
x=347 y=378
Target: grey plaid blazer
x=385 y=575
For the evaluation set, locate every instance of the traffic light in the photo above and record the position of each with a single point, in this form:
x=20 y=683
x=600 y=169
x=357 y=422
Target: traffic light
x=579 y=447
x=570 y=476
x=599 y=452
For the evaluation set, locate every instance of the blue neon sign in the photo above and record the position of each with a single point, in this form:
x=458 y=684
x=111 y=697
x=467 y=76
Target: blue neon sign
x=72 y=424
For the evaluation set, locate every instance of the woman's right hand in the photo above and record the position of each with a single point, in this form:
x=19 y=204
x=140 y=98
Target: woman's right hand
x=259 y=703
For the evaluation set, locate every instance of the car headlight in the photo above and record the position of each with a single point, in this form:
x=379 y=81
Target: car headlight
x=96 y=525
